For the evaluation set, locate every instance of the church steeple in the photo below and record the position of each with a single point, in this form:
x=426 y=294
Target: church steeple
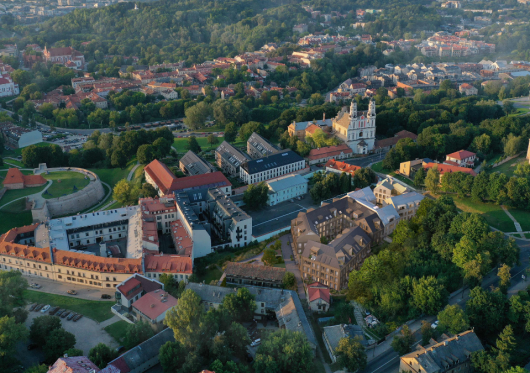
x=371 y=109
x=353 y=109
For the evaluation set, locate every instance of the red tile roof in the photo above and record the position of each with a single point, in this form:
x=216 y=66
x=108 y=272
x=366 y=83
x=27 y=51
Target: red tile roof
x=130 y=284
x=312 y=128
x=318 y=291
x=461 y=155
x=168 y=264
x=97 y=263
x=161 y=175
x=329 y=151
x=215 y=179
x=391 y=141
x=342 y=166
x=77 y=364
x=152 y=305
x=15 y=176
x=443 y=168
x=146 y=285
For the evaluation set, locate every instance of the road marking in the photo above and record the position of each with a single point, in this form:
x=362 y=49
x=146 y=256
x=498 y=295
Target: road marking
x=268 y=221
x=389 y=361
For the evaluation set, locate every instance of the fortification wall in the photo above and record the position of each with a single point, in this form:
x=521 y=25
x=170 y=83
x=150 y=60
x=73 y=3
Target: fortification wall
x=78 y=201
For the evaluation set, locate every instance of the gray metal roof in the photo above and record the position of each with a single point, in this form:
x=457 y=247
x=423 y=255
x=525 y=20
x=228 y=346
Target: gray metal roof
x=286 y=181
x=283 y=158
x=231 y=154
x=196 y=165
x=261 y=144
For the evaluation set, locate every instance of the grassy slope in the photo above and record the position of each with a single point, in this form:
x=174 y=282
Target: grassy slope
x=118 y=331
x=378 y=167
x=11 y=195
x=509 y=167
x=181 y=144
x=65 y=187
x=96 y=310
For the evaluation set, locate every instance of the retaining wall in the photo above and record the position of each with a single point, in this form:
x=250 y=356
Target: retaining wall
x=78 y=201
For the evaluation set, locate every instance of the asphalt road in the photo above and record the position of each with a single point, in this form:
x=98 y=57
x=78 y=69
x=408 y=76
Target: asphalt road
x=366 y=161
x=389 y=362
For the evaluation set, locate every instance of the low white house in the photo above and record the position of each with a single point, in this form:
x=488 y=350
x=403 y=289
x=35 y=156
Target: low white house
x=286 y=188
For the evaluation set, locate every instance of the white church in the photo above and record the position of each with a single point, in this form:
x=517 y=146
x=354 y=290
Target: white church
x=356 y=129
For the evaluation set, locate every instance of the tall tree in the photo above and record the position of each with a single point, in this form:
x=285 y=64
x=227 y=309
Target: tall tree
x=172 y=356
x=402 y=343
x=432 y=180
x=284 y=351
x=101 y=355
x=212 y=140
x=42 y=327
x=137 y=333
x=57 y=342
x=193 y=144
x=453 y=319
x=241 y=305
x=10 y=334
x=184 y=319
x=351 y=354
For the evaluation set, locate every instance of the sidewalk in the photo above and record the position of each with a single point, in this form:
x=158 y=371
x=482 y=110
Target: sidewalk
x=61 y=288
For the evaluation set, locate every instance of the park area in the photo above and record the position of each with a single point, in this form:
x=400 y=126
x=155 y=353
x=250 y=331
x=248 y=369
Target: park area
x=64 y=183
x=181 y=144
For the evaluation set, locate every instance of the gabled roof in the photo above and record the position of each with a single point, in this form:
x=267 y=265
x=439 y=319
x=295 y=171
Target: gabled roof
x=443 y=168
x=272 y=161
x=155 y=303
x=210 y=180
x=461 y=154
x=318 y=291
x=254 y=271
x=329 y=151
x=15 y=176
x=168 y=264
x=342 y=166
x=161 y=175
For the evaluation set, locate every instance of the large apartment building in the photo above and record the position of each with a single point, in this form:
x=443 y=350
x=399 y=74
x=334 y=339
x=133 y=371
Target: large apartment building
x=271 y=167
x=229 y=159
x=330 y=264
x=258 y=147
x=331 y=219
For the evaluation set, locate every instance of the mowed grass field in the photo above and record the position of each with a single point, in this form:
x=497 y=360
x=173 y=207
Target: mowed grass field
x=509 y=167
x=95 y=310
x=118 y=330
x=64 y=182
x=181 y=144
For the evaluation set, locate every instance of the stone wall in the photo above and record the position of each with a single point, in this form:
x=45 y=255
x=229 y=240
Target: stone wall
x=78 y=201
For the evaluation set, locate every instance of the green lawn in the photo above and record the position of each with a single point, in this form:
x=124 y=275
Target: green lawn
x=279 y=265
x=112 y=175
x=527 y=235
x=493 y=214
x=181 y=144
x=522 y=217
x=118 y=331
x=9 y=220
x=96 y=310
x=509 y=167
x=64 y=182
x=13 y=162
x=13 y=194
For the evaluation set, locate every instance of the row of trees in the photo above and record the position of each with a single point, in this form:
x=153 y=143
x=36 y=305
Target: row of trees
x=104 y=150
x=331 y=184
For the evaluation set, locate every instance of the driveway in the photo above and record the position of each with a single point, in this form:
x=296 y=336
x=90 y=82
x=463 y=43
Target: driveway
x=88 y=333
x=290 y=265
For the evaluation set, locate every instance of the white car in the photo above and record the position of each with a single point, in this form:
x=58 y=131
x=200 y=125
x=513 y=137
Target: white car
x=45 y=308
x=434 y=325
x=255 y=343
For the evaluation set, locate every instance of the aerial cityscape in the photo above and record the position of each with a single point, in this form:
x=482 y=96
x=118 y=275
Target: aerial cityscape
x=264 y=187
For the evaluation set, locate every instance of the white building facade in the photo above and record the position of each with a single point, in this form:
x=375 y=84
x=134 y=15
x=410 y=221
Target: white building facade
x=286 y=188
x=357 y=129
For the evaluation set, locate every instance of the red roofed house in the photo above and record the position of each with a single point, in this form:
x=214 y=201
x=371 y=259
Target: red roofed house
x=152 y=308
x=63 y=55
x=340 y=167
x=461 y=158
x=387 y=144
x=15 y=179
x=132 y=289
x=162 y=179
x=159 y=176
x=468 y=89
x=180 y=267
x=76 y=364
x=311 y=129
x=443 y=168
x=318 y=297
x=322 y=155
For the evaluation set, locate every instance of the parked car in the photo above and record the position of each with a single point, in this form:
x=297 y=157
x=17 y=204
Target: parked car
x=45 y=308
x=39 y=306
x=64 y=314
x=105 y=296
x=32 y=307
x=434 y=325
x=77 y=317
x=60 y=312
x=257 y=342
x=70 y=316
x=32 y=346
x=35 y=285
x=72 y=292
x=120 y=349
x=54 y=310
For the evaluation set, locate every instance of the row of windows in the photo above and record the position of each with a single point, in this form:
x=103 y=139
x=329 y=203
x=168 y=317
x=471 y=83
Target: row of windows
x=23 y=271
x=22 y=263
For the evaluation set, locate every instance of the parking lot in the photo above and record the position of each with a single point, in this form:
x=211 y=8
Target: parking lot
x=275 y=217
x=88 y=333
